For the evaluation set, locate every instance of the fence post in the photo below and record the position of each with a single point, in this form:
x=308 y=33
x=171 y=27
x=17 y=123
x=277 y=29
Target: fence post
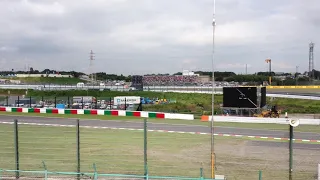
x=201 y=173
x=145 y=153
x=82 y=102
x=68 y=102
x=7 y=101
x=16 y=147
x=290 y=151
x=319 y=171
x=18 y=101
x=95 y=176
x=55 y=102
x=260 y=175
x=30 y=102
x=78 y=149
x=45 y=170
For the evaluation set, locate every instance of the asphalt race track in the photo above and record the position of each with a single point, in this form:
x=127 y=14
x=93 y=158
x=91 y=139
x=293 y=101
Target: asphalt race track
x=161 y=126
x=298 y=92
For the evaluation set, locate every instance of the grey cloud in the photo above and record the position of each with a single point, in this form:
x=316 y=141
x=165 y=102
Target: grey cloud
x=151 y=36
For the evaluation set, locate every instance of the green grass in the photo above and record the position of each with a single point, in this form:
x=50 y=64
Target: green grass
x=198 y=104
x=280 y=127
x=49 y=80
x=298 y=105
x=188 y=102
x=120 y=151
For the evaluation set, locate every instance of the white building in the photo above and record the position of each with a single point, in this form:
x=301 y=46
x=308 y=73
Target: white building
x=188 y=73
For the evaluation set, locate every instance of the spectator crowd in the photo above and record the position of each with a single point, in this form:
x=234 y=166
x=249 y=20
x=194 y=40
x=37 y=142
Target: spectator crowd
x=170 y=80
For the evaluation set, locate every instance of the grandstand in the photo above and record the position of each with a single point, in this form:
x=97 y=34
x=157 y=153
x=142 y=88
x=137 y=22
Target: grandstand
x=170 y=80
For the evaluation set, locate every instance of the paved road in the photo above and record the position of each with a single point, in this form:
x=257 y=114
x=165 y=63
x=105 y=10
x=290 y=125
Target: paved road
x=161 y=126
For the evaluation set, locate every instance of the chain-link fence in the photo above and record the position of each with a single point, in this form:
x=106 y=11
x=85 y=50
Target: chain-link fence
x=120 y=153
x=113 y=153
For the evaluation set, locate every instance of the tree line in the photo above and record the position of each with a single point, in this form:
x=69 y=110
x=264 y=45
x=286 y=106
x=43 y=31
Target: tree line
x=256 y=78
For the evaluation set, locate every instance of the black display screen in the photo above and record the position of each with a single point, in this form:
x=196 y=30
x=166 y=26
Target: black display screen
x=240 y=97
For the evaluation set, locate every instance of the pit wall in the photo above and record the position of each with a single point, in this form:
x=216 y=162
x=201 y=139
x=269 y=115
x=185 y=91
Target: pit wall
x=235 y=119
x=143 y=114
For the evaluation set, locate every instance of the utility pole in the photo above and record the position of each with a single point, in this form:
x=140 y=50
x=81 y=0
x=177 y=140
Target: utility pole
x=311 y=61
x=270 y=75
x=91 y=66
x=319 y=171
x=213 y=86
x=296 y=76
x=246 y=69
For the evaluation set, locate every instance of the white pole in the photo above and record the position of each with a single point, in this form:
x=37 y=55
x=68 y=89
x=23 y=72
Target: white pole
x=213 y=87
x=319 y=171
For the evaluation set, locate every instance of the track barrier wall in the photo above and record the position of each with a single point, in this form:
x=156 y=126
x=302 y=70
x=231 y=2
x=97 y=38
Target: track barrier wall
x=234 y=119
x=157 y=115
x=123 y=113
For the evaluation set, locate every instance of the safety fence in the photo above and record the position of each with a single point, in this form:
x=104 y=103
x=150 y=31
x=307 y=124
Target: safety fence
x=73 y=149
x=34 y=151
x=45 y=174
x=82 y=102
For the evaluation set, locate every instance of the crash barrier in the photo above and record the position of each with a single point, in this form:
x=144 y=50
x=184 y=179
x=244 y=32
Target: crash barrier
x=158 y=115
x=123 y=113
x=268 y=95
x=235 y=119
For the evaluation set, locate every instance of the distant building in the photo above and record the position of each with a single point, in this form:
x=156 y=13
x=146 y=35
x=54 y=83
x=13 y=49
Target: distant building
x=205 y=79
x=189 y=73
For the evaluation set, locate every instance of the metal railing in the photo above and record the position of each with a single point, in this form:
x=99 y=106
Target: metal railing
x=45 y=174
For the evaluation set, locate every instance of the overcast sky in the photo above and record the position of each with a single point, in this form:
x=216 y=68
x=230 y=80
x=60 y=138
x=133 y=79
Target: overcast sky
x=158 y=36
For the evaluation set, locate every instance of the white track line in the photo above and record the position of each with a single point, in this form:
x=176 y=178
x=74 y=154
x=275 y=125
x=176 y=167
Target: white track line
x=165 y=131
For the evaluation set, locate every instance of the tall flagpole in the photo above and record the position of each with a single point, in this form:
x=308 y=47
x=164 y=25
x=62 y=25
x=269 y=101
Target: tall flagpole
x=213 y=87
